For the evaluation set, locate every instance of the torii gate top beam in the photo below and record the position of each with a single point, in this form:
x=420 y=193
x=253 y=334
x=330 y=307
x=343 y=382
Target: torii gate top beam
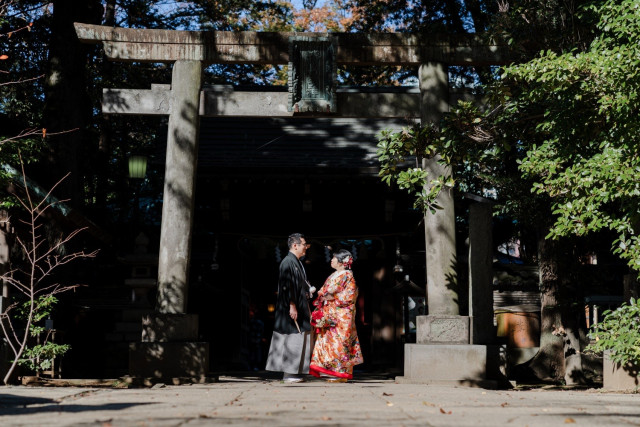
x=244 y=47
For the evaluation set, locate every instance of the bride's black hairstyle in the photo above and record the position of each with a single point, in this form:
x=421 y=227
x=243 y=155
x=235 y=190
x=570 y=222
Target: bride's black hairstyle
x=342 y=255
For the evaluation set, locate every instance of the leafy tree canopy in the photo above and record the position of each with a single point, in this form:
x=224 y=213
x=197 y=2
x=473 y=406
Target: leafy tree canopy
x=587 y=159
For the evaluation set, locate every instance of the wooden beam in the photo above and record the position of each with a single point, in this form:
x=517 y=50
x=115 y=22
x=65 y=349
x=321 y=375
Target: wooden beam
x=225 y=101
x=245 y=47
x=156 y=101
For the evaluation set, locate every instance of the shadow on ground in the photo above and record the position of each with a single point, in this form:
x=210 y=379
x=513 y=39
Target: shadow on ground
x=275 y=376
x=19 y=405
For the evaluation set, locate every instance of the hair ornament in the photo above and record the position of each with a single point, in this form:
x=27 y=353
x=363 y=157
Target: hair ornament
x=347 y=262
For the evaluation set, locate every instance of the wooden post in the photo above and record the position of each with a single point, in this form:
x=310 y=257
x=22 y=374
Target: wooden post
x=480 y=272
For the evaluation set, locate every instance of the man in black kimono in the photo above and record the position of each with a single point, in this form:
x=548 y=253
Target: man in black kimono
x=290 y=349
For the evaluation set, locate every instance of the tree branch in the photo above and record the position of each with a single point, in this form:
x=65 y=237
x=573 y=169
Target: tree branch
x=35 y=131
x=20 y=80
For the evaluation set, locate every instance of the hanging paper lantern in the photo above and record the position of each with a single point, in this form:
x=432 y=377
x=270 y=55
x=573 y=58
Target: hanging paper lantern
x=137 y=166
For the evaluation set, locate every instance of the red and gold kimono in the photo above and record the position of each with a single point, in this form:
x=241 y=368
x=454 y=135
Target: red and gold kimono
x=337 y=349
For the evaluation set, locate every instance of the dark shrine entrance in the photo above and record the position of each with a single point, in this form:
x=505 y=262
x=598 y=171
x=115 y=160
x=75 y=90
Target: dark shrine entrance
x=260 y=179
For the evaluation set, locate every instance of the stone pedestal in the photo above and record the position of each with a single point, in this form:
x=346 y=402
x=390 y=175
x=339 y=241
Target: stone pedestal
x=616 y=377
x=445 y=364
x=442 y=329
x=169 y=349
x=443 y=355
x=162 y=327
x=463 y=365
x=164 y=361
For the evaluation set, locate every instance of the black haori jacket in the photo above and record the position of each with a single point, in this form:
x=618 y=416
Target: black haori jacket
x=292 y=287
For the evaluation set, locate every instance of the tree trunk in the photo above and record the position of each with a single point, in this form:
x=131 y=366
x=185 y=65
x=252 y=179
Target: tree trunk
x=559 y=358
x=67 y=106
x=453 y=12
x=548 y=364
x=573 y=373
x=105 y=125
x=479 y=17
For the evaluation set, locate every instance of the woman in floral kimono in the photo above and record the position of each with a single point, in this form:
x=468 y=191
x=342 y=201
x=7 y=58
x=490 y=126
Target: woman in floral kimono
x=337 y=349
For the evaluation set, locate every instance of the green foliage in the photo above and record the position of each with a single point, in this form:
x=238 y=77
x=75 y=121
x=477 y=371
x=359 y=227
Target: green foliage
x=28 y=151
x=42 y=308
x=38 y=357
x=398 y=151
x=619 y=332
x=586 y=157
x=477 y=145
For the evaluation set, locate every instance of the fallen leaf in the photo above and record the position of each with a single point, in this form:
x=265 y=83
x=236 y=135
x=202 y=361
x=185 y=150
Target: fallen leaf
x=569 y=421
x=504 y=404
x=428 y=403
x=4 y=57
x=387 y=394
x=445 y=412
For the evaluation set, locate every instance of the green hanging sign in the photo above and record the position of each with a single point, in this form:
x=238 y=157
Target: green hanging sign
x=312 y=75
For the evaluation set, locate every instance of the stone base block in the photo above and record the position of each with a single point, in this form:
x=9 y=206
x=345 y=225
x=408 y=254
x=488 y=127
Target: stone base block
x=616 y=377
x=442 y=329
x=163 y=327
x=165 y=360
x=469 y=365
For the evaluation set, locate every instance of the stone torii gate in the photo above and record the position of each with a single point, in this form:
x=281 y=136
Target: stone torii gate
x=185 y=101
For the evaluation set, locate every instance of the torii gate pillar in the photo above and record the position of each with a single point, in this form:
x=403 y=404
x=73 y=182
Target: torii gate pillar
x=171 y=334
x=445 y=351
x=440 y=227
x=179 y=188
